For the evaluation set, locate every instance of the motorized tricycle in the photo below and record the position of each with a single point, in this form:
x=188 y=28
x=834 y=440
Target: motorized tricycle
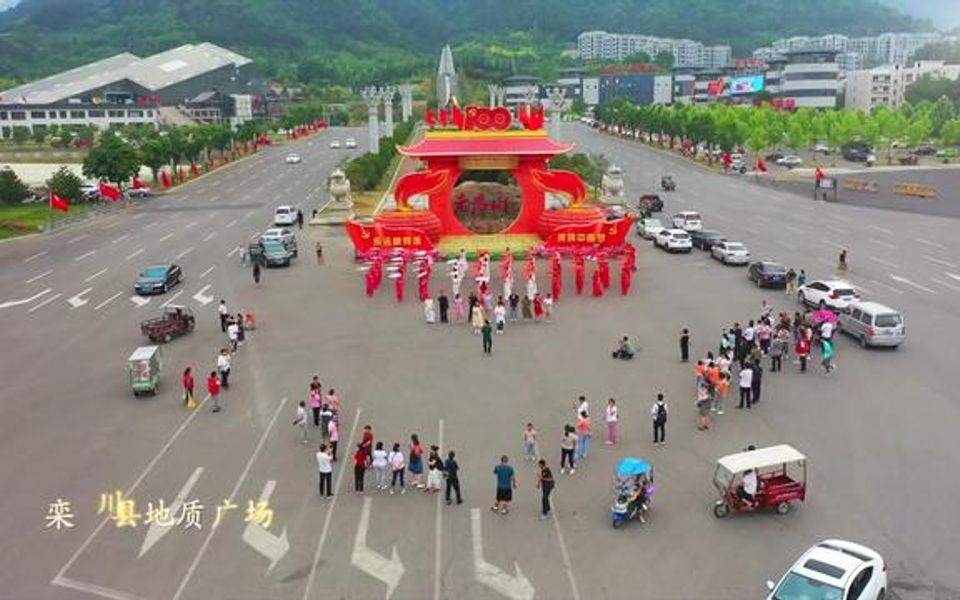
x=634 y=488
x=176 y=320
x=777 y=476
x=144 y=367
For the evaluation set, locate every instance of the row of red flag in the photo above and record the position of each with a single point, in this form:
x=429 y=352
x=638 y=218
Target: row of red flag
x=106 y=190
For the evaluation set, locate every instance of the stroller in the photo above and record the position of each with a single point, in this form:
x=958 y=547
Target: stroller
x=634 y=488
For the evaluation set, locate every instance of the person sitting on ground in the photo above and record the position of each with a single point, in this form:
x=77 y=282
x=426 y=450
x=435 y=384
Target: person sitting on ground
x=625 y=350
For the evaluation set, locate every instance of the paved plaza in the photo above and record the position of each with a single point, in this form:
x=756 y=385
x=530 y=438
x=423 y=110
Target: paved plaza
x=879 y=434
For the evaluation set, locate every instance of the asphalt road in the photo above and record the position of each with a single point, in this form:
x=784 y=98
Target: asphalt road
x=878 y=433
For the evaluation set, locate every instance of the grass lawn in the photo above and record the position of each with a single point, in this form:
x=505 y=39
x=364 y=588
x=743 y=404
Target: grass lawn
x=22 y=219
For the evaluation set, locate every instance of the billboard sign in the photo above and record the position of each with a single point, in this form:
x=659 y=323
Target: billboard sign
x=750 y=84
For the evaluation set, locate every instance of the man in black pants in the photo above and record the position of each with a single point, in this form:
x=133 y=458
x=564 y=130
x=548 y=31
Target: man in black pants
x=684 y=345
x=746 y=385
x=545 y=483
x=659 y=411
x=444 y=303
x=755 y=384
x=452 y=471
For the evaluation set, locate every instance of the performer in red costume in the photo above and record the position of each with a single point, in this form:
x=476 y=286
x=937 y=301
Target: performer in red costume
x=556 y=271
x=603 y=264
x=597 y=282
x=579 y=269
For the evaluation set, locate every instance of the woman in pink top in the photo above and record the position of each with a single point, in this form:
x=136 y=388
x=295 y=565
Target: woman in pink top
x=334 y=403
x=315 y=404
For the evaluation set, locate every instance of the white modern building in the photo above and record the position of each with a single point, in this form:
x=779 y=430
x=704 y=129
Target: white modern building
x=854 y=53
x=601 y=45
x=519 y=90
x=809 y=78
x=887 y=85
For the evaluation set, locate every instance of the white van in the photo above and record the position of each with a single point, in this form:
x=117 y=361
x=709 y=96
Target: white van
x=873 y=324
x=688 y=220
x=285 y=215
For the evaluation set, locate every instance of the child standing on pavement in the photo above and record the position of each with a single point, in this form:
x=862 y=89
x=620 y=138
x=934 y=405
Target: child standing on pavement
x=416 y=461
x=380 y=465
x=568 y=445
x=530 y=450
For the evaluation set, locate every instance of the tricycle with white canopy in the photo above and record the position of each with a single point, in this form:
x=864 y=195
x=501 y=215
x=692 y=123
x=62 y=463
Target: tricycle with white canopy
x=773 y=477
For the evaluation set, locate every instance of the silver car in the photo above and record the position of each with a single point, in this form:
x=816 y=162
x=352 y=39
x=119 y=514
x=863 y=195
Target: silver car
x=873 y=324
x=649 y=228
x=730 y=253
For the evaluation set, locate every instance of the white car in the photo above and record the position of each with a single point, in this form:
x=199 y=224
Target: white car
x=822 y=148
x=790 y=161
x=649 y=228
x=285 y=215
x=350 y=143
x=278 y=234
x=833 y=570
x=90 y=190
x=835 y=294
x=673 y=240
x=334 y=143
x=688 y=220
x=730 y=253
x=293 y=159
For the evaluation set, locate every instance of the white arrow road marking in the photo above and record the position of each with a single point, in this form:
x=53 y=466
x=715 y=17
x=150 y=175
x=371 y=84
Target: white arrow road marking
x=76 y=301
x=906 y=281
x=107 y=301
x=25 y=300
x=120 y=239
x=33 y=256
x=185 y=252
x=40 y=276
x=45 y=302
x=940 y=261
x=166 y=237
x=388 y=570
x=84 y=255
x=171 y=299
x=930 y=243
x=156 y=532
x=95 y=275
x=199 y=297
x=135 y=253
x=516 y=587
x=272 y=547
x=207 y=272
x=76 y=239
x=139 y=300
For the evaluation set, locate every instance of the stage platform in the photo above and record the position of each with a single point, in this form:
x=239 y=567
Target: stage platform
x=495 y=244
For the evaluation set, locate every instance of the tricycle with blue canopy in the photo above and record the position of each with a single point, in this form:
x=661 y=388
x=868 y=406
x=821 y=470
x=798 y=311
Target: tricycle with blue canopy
x=634 y=488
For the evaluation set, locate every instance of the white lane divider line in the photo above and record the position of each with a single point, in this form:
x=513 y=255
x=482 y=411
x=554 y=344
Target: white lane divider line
x=33 y=256
x=230 y=224
x=209 y=236
x=248 y=214
x=107 y=301
x=76 y=239
x=232 y=252
x=120 y=239
x=930 y=243
x=940 y=261
x=953 y=276
x=134 y=254
x=437 y=537
x=40 y=276
x=171 y=299
x=95 y=275
x=84 y=255
x=166 y=237
x=945 y=284
x=44 y=303
x=185 y=252
x=912 y=284
x=111 y=225
x=886 y=286
x=150 y=224
x=887 y=245
x=191 y=224
x=207 y=272
x=885 y=263
x=839 y=230
x=568 y=564
x=881 y=229
x=10 y=303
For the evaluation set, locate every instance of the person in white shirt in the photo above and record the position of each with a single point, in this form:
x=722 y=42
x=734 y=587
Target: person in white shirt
x=223 y=367
x=301 y=420
x=748 y=486
x=233 y=334
x=397 y=464
x=224 y=313
x=500 y=316
x=612 y=420
x=325 y=466
x=548 y=308
x=582 y=405
x=826 y=330
x=379 y=463
x=746 y=386
x=659 y=411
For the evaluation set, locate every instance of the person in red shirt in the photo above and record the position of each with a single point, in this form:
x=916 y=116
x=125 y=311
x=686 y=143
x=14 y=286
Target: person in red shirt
x=213 y=388
x=187 y=386
x=803 y=351
x=366 y=442
x=361 y=460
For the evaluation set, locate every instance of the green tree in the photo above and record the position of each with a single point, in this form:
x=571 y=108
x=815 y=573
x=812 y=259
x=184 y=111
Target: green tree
x=12 y=189
x=892 y=126
x=950 y=132
x=65 y=183
x=112 y=160
x=154 y=153
x=941 y=112
x=919 y=130
x=20 y=134
x=637 y=57
x=39 y=134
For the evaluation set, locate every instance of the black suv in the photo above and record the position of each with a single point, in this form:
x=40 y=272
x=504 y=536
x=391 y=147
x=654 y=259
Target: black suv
x=705 y=239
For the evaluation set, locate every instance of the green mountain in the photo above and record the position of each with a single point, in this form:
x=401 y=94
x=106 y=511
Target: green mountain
x=356 y=41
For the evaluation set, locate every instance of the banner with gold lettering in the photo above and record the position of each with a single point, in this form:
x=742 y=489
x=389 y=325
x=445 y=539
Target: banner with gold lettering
x=605 y=234
x=370 y=237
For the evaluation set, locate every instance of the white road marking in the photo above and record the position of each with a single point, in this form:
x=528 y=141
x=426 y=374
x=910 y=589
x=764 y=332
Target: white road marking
x=120 y=239
x=953 y=276
x=841 y=218
x=835 y=229
x=111 y=225
x=254 y=235
x=207 y=272
x=209 y=236
x=888 y=287
x=272 y=547
x=515 y=587
x=567 y=563
x=929 y=243
x=230 y=224
x=156 y=531
x=107 y=301
x=232 y=252
x=139 y=216
x=84 y=255
x=912 y=284
x=884 y=244
x=44 y=303
x=199 y=297
x=166 y=237
x=881 y=229
x=945 y=284
x=388 y=570
x=33 y=256
x=59 y=579
x=150 y=224
x=940 y=261
x=437 y=536
x=10 y=303
x=40 y=276
x=76 y=239
x=95 y=590
x=249 y=213
x=95 y=275
x=171 y=299
x=214 y=198
x=191 y=224
x=135 y=253
x=233 y=494
x=328 y=517
x=184 y=253
x=139 y=300
x=886 y=263
x=76 y=301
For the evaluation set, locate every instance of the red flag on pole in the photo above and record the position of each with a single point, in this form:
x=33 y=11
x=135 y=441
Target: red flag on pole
x=110 y=192
x=431 y=119
x=137 y=184
x=761 y=165
x=181 y=175
x=58 y=203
